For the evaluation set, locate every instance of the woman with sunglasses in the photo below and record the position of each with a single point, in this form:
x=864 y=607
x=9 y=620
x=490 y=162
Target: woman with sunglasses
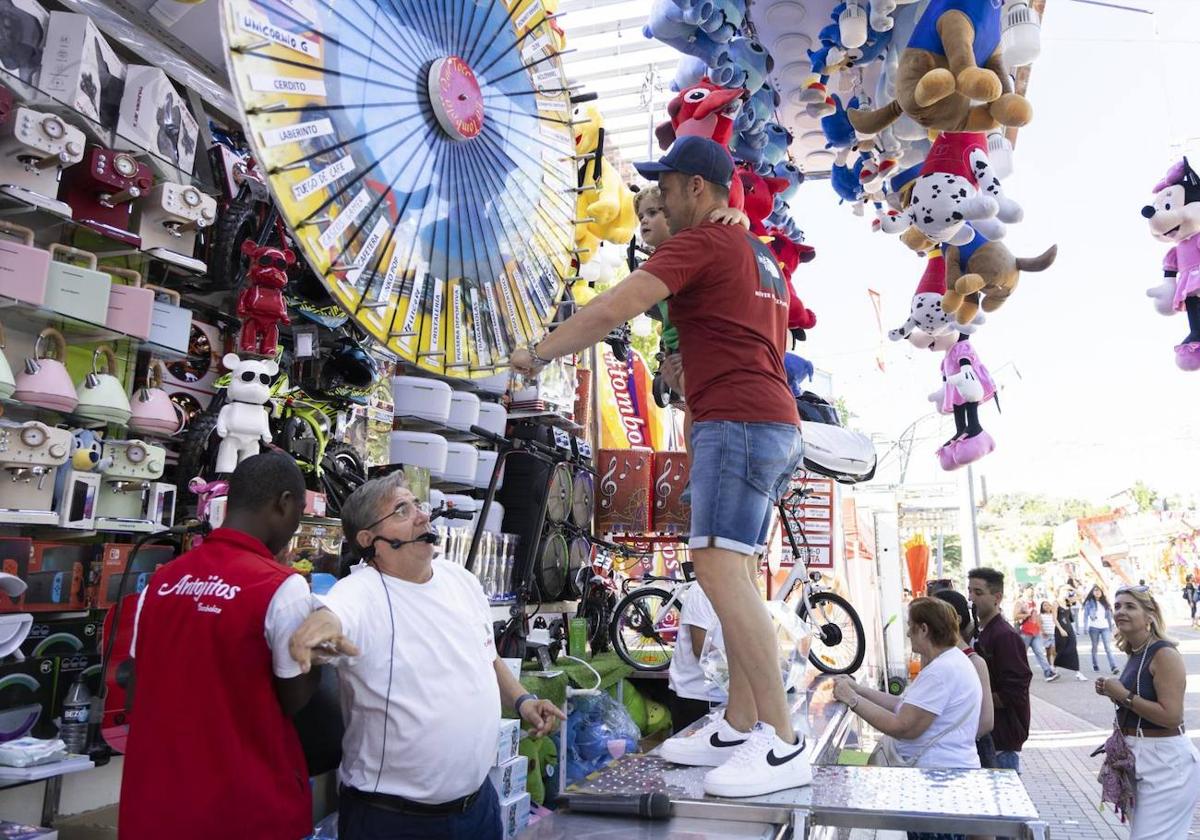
x=1149 y=700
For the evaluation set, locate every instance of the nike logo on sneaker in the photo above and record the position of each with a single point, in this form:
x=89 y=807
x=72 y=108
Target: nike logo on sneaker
x=716 y=741
x=775 y=760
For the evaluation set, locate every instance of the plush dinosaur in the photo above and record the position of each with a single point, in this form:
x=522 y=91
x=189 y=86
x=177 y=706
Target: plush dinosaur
x=604 y=199
x=951 y=75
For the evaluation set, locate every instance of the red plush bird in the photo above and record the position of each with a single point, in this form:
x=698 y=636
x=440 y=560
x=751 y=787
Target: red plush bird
x=760 y=196
x=704 y=110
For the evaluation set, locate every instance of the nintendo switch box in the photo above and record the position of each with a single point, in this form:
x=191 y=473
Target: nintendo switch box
x=57 y=577
x=114 y=569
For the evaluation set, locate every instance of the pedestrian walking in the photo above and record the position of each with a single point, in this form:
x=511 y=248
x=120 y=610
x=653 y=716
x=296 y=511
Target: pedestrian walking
x=1028 y=621
x=1066 y=648
x=1098 y=619
x=1048 y=616
x=1149 y=700
x=1008 y=667
x=1191 y=595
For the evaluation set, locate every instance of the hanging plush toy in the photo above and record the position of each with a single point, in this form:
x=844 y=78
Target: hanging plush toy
x=1174 y=217
x=966 y=384
x=927 y=320
x=606 y=202
x=983 y=274
x=951 y=75
x=702 y=110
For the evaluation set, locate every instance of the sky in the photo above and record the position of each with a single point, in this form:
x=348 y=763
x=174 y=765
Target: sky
x=1091 y=399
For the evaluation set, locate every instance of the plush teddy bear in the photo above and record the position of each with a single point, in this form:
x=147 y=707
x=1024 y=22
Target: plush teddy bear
x=1174 y=217
x=243 y=420
x=966 y=384
x=951 y=76
x=607 y=203
x=261 y=305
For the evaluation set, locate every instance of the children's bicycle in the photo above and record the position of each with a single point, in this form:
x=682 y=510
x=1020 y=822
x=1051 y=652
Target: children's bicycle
x=645 y=624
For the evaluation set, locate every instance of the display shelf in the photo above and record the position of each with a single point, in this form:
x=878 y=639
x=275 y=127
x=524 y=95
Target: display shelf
x=549 y=417
x=409 y=423
x=49 y=225
x=452 y=486
x=321 y=521
x=85 y=332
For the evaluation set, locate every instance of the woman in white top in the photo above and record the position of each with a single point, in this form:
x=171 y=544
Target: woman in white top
x=934 y=722
x=1098 y=621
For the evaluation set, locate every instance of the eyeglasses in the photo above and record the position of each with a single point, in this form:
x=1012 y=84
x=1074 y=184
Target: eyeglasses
x=404 y=511
x=1138 y=588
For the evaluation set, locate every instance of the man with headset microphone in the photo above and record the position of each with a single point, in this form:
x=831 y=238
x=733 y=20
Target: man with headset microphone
x=421 y=683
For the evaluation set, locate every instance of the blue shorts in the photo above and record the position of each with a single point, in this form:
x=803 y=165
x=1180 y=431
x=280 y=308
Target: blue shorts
x=739 y=471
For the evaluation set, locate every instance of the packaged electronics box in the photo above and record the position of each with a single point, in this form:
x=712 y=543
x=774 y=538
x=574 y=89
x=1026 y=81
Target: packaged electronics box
x=154 y=117
x=81 y=70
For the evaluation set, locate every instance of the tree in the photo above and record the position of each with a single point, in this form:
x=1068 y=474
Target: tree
x=952 y=562
x=1144 y=495
x=1042 y=551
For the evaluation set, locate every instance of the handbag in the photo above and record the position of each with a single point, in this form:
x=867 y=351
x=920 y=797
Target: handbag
x=886 y=753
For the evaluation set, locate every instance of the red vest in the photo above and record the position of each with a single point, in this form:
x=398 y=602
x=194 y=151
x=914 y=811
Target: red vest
x=210 y=752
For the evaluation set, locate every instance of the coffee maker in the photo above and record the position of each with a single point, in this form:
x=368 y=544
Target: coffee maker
x=31 y=454
x=131 y=497
x=167 y=219
x=34 y=149
x=101 y=190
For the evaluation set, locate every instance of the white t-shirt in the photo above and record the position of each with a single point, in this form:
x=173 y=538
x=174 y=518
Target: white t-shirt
x=949 y=688
x=289 y=606
x=442 y=720
x=1099 y=619
x=685 y=675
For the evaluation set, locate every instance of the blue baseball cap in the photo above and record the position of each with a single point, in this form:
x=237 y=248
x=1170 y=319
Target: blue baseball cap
x=692 y=155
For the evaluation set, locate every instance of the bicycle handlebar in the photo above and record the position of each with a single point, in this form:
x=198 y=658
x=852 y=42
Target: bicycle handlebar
x=520 y=443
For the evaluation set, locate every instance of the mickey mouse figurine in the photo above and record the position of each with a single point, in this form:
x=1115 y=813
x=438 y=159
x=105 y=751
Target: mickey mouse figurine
x=261 y=305
x=1174 y=218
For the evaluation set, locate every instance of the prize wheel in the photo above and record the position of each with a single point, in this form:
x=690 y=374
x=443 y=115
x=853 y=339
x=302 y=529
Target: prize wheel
x=583 y=498
x=421 y=156
x=553 y=558
x=558 y=507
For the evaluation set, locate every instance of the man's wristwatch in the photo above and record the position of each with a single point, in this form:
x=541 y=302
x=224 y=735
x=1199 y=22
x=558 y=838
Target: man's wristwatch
x=520 y=701
x=531 y=348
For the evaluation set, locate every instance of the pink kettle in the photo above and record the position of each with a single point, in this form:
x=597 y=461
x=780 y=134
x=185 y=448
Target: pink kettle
x=44 y=381
x=154 y=413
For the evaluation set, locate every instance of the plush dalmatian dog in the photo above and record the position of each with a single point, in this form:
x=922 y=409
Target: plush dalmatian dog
x=957 y=184
x=929 y=326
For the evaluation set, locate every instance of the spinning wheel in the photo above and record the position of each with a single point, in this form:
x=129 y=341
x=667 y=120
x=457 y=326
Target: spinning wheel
x=422 y=155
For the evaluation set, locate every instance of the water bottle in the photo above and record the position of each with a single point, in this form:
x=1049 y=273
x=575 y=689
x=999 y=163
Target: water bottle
x=76 y=709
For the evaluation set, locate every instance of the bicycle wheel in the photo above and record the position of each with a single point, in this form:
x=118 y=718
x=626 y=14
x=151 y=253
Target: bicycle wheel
x=841 y=644
x=644 y=628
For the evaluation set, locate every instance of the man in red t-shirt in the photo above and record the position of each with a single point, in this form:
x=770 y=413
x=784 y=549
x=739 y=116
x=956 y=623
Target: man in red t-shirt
x=729 y=301
x=212 y=751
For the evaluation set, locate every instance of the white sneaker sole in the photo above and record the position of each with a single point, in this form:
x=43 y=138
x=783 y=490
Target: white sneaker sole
x=690 y=758
x=736 y=790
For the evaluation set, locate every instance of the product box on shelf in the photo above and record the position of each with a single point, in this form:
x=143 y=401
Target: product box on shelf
x=25 y=23
x=319 y=544
x=63 y=637
x=15 y=554
x=314 y=503
x=25 y=700
x=171 y=324
x=57 y=577
x=153 y=116
x=80 y=69
x=114 y=568
x=625 y=478
x=510 y=740
x=514 y=815
x=67 y=669
x=509 y=778
x=670 y=514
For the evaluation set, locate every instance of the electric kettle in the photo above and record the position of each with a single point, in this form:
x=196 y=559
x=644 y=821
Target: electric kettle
x=101 y=395
x=44 y=381
x=7 y=386
x=154 y=413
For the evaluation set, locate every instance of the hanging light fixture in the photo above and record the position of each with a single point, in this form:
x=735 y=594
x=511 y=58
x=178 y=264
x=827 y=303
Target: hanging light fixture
x=852 y=24
x=1000 y=153
x=1022 y=37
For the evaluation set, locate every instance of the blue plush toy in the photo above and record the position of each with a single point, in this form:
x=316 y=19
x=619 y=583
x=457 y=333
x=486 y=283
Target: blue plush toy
x=839 y=133
x=748 y=146
x=745 y=65
x=798 y=369
x=790 y=172
x=688 y=73
x=677 y=24
x=845 y=180
x=87 y=455
x=778 y=140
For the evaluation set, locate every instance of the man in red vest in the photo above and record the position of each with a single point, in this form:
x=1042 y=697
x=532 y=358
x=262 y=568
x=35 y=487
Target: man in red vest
x=212 y=751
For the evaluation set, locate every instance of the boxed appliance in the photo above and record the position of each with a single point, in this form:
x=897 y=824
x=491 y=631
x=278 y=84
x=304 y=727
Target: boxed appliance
x=67 y=669
x=77 y=291
x=509 y=778
x=514 y=815
x=114 y=568
x=25 y=25
x=15 y=553
x=670 y=514
x=25 y=699
x=171 y=324
x=80 y=69
x=623 y=497
x=153 y=116
x=62 y=637
x=57 y=577
x=510 y=740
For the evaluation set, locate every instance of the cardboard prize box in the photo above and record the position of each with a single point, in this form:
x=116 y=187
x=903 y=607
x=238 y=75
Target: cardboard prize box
x=154 y=117
x=62 y=637
x=623 y=490
x=57 y=577
x=15 y=554
x=80 y=69
x=670 y=514
x=25 y=23
x=24 y=696
x=114 y=567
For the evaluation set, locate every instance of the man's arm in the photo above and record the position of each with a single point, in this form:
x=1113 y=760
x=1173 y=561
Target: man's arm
x=542 y=715
x=319 y=635
x=294 y=693
x=698 y=634
x=628 y=299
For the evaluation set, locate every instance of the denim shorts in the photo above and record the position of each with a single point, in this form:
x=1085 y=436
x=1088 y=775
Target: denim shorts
x=739 y=471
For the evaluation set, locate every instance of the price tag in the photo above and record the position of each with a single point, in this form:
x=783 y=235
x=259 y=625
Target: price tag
x=305 y=342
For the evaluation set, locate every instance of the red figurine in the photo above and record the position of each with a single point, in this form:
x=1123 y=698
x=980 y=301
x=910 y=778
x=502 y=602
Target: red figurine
x=261 y=305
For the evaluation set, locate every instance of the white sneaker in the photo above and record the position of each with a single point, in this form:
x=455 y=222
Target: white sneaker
x=708 y=746
x=1080 y=677
x=764 y=764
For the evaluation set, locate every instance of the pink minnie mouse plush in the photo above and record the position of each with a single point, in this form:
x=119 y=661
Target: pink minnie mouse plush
x=1175 y=217
x=967 y=383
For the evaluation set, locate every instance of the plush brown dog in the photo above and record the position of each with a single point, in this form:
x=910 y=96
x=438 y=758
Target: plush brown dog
x=940 y=75
x=987 y=279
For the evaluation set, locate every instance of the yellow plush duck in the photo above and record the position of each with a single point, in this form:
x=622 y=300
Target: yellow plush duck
x=608 y=206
